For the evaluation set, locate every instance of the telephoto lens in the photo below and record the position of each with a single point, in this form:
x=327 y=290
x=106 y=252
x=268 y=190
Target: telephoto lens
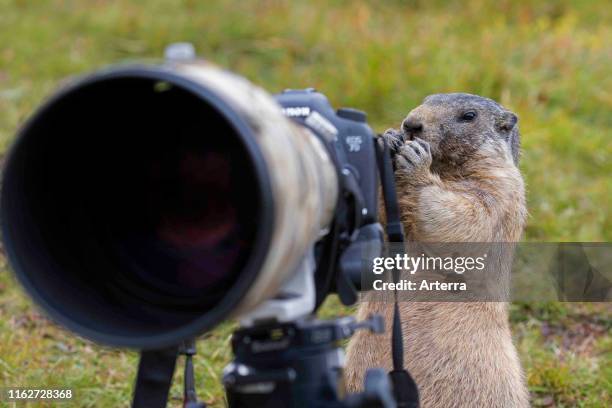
x=144 y=204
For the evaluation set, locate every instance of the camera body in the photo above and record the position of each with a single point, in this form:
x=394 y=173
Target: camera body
x=346 y=134
x=351 y=144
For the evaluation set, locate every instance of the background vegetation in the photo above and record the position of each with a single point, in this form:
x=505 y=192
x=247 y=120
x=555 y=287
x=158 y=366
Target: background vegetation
x=548 y=61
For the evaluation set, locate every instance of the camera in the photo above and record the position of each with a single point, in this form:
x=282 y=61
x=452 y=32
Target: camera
x=142 y=205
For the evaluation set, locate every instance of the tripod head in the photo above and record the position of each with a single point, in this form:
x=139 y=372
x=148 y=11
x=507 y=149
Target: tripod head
x=299 y=364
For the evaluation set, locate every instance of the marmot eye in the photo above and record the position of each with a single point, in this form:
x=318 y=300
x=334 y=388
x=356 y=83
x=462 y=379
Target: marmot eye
x=468 y=116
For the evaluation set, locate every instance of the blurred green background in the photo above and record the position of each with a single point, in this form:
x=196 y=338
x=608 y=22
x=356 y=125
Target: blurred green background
x=550 y=62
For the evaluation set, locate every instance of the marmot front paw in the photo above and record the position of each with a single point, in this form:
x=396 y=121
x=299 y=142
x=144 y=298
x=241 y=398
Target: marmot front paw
x=394 y=139
x=414 y=159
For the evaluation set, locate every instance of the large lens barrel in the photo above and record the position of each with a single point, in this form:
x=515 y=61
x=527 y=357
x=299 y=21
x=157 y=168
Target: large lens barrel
x=142 y=205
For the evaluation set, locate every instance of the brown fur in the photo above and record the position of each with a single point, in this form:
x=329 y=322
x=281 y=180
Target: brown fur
x=457 y=181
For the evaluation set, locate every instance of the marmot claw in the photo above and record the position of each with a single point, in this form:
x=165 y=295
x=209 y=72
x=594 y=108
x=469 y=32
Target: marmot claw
x=394 y=139
x=414 y=157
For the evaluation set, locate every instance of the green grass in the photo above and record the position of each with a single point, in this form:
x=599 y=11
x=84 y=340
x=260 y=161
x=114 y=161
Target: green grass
x=547 y=61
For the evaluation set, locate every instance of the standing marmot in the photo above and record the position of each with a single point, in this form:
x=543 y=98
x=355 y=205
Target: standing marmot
x=457 y=181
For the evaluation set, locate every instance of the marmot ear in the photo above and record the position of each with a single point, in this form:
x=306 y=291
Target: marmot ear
x=507 y=125
x=507 y=121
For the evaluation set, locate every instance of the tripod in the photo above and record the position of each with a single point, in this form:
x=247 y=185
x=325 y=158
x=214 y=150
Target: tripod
x=295 y=364
x=154 y=377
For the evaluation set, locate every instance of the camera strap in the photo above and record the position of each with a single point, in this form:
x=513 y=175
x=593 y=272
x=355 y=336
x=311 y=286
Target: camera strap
x=404 y=387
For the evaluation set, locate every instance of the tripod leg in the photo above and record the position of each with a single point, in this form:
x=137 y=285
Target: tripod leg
x=154 y=378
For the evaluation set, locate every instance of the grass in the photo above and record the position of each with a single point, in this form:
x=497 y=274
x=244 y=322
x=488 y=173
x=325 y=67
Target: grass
x=547 y=61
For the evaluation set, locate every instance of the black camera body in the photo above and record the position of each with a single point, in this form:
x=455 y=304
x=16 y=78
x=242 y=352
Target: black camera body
x=347 y=135
x=351 y=144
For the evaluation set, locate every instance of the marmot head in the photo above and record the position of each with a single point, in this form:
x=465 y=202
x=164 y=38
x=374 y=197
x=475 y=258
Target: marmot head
x=457 y=125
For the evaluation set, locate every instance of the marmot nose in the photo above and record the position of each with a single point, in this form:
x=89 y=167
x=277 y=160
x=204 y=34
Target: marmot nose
x=412 y=127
